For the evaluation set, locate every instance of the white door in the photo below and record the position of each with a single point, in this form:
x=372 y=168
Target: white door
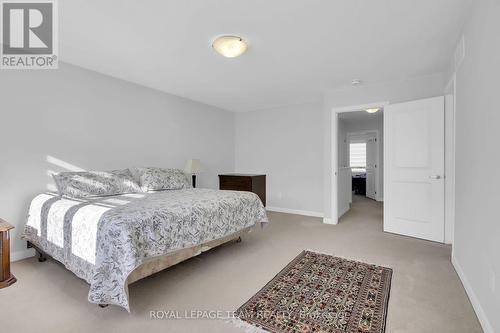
x=371 y=164
x=414 y=169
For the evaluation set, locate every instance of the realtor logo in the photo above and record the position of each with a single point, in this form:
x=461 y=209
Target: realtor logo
x=29 y=34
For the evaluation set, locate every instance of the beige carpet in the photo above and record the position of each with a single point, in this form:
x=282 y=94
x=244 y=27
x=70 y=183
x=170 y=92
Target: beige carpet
x=426 y=294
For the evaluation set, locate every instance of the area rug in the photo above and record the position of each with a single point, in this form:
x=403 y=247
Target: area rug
x=320 y=293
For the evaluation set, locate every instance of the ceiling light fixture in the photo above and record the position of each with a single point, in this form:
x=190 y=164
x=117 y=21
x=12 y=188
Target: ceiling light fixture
x=230 y=46
x=373 y=110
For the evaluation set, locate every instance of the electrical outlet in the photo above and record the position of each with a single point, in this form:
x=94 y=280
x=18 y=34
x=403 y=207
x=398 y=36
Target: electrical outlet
x=493 y=279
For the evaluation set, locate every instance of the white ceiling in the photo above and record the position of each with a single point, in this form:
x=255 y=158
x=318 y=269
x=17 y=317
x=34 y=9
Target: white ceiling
x=298 y=49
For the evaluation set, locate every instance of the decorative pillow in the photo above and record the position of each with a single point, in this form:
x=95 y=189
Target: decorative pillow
x=157 y=179
x=87 y=184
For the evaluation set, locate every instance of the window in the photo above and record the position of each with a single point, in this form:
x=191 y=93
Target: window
x=357 y=158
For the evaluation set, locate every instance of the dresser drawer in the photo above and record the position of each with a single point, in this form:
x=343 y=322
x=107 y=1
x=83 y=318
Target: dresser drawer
x=244 y=182
x=240 y=183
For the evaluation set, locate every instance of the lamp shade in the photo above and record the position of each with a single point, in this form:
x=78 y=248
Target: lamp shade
x=194 y=166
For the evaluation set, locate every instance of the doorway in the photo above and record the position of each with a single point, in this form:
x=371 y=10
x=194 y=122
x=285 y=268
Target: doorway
x=414 y=149
x=359 y=155
x=363 y=154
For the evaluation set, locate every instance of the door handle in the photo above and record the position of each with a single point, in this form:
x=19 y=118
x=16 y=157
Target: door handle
x=435 y=177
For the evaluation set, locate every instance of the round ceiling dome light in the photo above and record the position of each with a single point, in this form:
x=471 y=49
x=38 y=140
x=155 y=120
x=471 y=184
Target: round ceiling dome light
x=373 y=110
x=230 y=46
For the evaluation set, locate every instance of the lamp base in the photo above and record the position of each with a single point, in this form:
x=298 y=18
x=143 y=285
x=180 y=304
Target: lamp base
x=194 y=180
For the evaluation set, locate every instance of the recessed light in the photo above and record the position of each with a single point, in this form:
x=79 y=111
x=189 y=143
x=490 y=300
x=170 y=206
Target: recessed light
x=230 y=46
x=373 y=110
x=356 y=82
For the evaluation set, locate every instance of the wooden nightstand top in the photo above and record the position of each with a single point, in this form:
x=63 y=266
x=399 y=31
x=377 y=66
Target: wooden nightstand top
x=4 y=226
x=241 y=175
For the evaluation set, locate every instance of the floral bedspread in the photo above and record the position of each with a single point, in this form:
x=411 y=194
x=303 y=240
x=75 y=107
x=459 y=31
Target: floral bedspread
x=104 y=239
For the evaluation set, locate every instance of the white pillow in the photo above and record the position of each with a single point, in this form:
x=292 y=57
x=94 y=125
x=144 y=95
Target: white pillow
x=158 y=179
x=87 y=184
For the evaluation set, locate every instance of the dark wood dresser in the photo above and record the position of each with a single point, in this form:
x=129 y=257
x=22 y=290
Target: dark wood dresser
x=244 y=182
x=6 y=278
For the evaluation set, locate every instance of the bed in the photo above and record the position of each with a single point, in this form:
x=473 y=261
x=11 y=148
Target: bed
x=112 y=241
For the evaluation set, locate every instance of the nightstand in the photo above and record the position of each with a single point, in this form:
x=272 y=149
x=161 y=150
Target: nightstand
x=244 y=182
x=6 y=278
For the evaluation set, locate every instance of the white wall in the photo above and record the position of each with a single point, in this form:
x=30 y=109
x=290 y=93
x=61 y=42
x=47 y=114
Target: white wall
x=97 y=122
x=393 y=92
x=342 y=143
x=292 y=145
x=287 y=145
x=476 y=248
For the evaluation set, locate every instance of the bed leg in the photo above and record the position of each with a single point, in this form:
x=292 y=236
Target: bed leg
x=41 y=256
x=103 y=306
x=238 y=240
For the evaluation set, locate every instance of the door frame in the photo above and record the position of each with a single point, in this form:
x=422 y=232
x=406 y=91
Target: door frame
x=370 y=133
x=335 y=153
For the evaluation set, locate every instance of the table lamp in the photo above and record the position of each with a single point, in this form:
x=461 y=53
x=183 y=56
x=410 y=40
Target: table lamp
x=194 y=167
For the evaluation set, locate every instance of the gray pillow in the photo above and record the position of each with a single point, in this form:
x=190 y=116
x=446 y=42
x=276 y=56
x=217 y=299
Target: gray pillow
x=87 y=184
x=157 y=179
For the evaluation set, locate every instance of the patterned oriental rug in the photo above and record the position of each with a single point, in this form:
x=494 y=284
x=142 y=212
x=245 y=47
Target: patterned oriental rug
x=320 y=293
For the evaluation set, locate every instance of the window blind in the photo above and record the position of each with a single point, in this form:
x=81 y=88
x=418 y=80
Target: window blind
x=357 y=156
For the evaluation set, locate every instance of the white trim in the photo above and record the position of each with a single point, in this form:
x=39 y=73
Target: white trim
x=450 y=85
x=327 y=220
x=20 y=255
x=334 y=151
x=295 y=211
x=481 y=315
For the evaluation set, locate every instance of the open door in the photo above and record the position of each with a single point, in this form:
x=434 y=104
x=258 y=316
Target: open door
x=414 y=169
x=371 y=165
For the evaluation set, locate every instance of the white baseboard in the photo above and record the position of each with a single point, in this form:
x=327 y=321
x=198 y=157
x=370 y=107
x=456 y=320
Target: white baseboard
x=20 y=255
x=481 y=315
x=328 y=220
x=294 y=211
